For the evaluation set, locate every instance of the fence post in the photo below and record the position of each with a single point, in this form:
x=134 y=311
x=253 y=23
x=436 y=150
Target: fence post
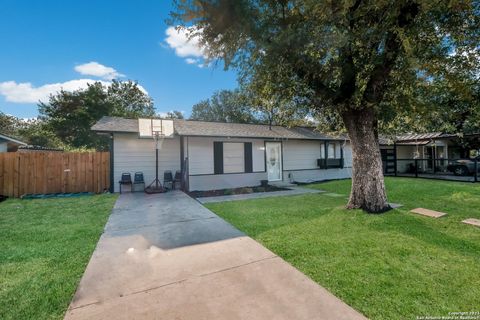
x=416 y=168
x=395 y=164
x=475 y=170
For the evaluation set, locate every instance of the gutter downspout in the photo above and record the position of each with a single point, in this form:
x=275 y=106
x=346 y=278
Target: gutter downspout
x=112 y=184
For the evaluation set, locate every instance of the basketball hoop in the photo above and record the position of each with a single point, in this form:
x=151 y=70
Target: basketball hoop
x=158 y=131
x=157 y=134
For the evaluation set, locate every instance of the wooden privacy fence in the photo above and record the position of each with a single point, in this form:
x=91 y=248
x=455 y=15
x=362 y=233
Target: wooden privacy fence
x=53 y=172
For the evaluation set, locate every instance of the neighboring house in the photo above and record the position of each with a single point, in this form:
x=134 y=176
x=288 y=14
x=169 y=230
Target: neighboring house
x=9 y=144
x=428 y=148
x=214 y=155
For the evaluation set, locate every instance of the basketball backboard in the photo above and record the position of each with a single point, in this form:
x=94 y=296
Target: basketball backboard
x=148 y=127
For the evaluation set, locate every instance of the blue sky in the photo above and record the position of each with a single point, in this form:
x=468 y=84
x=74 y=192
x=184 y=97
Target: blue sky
x=51 y=44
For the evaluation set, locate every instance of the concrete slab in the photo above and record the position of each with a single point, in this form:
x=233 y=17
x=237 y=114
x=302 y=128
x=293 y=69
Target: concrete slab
x=472 y=221
x=140 y=266
x=267 y=289
x=395 y=205
x=428 y=212
x=160 y=263
x=258 y=195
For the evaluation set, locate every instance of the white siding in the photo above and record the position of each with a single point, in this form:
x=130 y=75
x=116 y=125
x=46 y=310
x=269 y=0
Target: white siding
x=226 y=181
x=299 y=154
x=3 y=147
x=200 y=153
x=132 y=154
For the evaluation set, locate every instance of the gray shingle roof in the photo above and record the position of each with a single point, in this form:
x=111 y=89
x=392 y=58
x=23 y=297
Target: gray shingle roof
x=216 y=129
x=219 y=129
x=116 y=124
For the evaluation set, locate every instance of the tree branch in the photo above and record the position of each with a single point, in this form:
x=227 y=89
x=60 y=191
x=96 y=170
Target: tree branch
x=384 y=64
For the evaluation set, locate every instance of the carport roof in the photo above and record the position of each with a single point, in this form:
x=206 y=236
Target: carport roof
x=217 y=129
x=415 y=138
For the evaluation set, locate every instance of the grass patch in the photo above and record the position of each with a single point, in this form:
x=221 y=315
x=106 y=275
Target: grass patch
x=391 y=266
x=46 y=245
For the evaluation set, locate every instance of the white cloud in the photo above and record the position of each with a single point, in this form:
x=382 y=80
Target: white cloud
x=191 y=60
x=25 y=92
x=96 y=69
x=184 y=46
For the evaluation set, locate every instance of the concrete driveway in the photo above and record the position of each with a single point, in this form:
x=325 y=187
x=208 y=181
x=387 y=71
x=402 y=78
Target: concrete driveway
x=167 y=257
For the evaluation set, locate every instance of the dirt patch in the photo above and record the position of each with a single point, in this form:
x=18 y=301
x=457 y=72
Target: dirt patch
x=228 y=192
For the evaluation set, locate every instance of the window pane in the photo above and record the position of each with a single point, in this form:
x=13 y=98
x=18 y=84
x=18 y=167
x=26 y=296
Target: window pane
x=233 y=157
x=331 y=151
x=322 y=150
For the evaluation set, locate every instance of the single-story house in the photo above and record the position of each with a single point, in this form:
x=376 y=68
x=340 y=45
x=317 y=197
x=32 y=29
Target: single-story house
x=9 y=144
x=437 y=148
x=213 y=155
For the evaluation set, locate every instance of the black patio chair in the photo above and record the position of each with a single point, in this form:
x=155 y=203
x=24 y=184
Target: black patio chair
x=168 y=179
x=178 y=179
x=126 y=180
x=138 y=180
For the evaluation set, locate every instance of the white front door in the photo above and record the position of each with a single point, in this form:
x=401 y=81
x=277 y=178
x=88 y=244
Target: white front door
x=274 y=160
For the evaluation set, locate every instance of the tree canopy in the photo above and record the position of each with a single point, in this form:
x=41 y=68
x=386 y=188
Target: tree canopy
x=250 y=104
x=224 y=106
x=70 y=115
x=362 y=61
x=9 y=124
x=174 y=114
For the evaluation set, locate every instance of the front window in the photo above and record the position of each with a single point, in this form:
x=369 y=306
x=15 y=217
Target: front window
x=331 y=155
x=233 y=157
x=331 y=151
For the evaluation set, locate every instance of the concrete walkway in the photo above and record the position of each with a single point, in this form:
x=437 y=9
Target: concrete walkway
x=168 y=257
x=292 y=192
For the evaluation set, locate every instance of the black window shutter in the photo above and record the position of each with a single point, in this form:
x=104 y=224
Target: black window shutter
x=217 y=157
x=248 y=157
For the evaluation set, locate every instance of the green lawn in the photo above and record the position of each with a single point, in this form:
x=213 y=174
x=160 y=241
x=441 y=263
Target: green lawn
x=397 y=265
x=46 y=245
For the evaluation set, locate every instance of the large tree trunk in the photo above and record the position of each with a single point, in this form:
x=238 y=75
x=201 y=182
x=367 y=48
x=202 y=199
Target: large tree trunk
x=368 y=187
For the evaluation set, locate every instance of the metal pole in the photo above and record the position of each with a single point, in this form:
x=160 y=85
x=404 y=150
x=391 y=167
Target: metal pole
x=395 y=157
x=156 y=160
x=416 y=168
x=475 y=169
